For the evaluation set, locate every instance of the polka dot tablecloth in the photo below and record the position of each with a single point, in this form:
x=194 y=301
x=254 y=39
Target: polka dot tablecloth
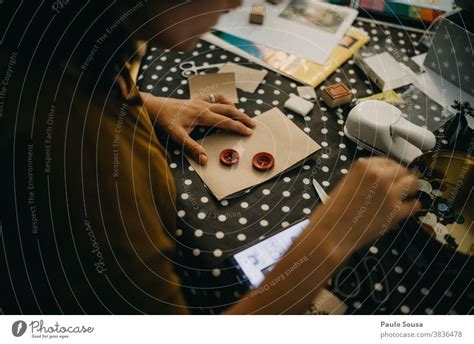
x=384 y=278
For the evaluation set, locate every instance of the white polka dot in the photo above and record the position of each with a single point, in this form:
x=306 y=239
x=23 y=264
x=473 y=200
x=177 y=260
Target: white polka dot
x=306 y=196
x=179 y=232
x=357 y=305
x=287 y=179
x=164 y=89
x=324 y=131
x=181 y=213
x=204 y=199
x=222 y=218
x=264 y=223
x=264 y=207
x=325 y=169
x=149 y=87
x=217 y=253
x=394 y=252
x=378 y=286
x=276 y=92
x=428 y=311
x=184 y=196
x=285 y=224
x=401 y=289
x=405 y=309
x=306 y=181
x=275 y=103
x=243 y=99
x=198 y=233
x=285 y=209
x=344 y=171
x=243 y=221
x=241 y=237
x=196 y=252
x=398 y=269
x=424 y=291
x=260 y=91
x=277 y=82
x=216 y=272
x=188 y=182
x=220 y=235
x=373 y=250
x=225 y=203
x=201 y=215
x=173 y=165
x=286 y=194
x=244 y=205
x=307 y=211
x=266 y=191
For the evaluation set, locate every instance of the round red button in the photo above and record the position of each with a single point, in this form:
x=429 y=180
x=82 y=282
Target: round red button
x=263 y=161
x=229 y=157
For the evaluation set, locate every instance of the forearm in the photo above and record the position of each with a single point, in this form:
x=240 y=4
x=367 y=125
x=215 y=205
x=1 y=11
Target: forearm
x=293 y=283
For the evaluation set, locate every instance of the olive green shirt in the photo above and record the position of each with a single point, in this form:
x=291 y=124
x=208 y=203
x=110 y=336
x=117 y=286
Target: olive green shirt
x=88 y=199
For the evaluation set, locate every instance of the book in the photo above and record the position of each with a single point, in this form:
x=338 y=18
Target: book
x=296 y=68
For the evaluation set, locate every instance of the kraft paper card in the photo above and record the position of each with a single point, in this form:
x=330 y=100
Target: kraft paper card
x=222 y=83
x=326 y=303
x=274 y=133
x=247 y=79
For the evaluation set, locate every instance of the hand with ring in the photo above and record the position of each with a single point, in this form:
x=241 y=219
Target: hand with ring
x=178 y=117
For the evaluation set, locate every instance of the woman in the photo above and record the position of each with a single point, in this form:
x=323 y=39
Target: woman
x=87 y=196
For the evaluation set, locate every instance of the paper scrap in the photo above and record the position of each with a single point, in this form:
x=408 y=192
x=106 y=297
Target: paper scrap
x=247 y=79
x=215 y=83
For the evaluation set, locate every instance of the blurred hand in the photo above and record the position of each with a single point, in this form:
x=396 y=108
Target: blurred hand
x=372 y=199
x=179 y=117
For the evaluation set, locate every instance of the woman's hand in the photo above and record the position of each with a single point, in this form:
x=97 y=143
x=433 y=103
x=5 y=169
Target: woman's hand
x=371 y=200
x=374 y=197
x=179 y=117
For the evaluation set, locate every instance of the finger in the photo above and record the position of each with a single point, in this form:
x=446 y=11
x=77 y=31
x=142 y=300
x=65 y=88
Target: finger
x=408 y=209
x=408 y=186
x=220 y=98
x=233 y=112
x=212 y=119
x=194 y=149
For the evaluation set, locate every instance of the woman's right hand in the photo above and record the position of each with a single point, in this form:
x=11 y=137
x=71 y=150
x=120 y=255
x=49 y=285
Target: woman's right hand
x=368 y=202
x=373 y=198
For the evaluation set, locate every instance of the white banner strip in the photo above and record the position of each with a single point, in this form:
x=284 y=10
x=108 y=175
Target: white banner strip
x=236 y=329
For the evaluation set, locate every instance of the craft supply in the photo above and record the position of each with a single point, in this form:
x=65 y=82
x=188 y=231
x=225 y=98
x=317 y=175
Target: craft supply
x=307 y=93
x=323 y=196
x=201 y=86
x=257 y=14
x=384 y=71
x=298 y=105
x=274 y=133
x=229 y=157
x=190 y=69
x=305 y=71
x=247 y=79
x=390 y=97
x=336 y=95
x=263 y=161
x=380 y=127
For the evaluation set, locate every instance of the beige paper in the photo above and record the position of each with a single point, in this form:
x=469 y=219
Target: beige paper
x=328 y=303
x=274 y=133
x=216 y=83
x=247 y=79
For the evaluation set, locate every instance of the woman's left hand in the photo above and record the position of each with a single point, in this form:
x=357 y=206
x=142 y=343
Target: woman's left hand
x=179 y=117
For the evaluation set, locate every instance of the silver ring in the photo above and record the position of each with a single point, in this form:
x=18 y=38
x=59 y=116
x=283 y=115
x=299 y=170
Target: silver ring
x=212 y=98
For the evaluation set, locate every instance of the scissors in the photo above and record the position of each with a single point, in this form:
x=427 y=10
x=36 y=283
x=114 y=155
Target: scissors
x=189 y=68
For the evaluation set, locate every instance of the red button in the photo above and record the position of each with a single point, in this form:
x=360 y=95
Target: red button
x=263 y=161
x=229 y=157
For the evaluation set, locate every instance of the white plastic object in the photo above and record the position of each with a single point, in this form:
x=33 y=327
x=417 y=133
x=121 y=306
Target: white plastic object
x=299 y=105
x=379 y=127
